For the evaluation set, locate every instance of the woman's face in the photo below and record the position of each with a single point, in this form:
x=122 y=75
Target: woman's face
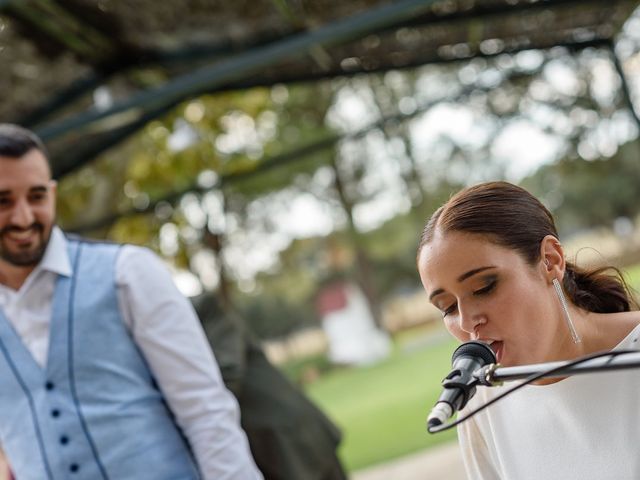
x=490 y=293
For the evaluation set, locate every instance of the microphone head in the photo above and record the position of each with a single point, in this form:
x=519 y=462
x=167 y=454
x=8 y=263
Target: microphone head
x=477 y=350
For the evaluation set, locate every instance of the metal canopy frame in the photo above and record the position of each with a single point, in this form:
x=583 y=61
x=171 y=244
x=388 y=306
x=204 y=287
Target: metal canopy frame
x=379 y=21
x=296 y=155
x=192 y=70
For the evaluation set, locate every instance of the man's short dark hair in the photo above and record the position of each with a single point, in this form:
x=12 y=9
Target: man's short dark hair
x=15 y=141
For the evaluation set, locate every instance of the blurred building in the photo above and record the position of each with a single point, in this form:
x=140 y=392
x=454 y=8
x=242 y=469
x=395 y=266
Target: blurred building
x=353 y=336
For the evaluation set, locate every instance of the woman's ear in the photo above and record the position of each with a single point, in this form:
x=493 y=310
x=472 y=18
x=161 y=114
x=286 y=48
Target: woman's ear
x=552 y=256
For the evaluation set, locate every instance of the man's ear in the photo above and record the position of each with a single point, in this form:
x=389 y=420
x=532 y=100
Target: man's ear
x=53 y=196
x=552 y=258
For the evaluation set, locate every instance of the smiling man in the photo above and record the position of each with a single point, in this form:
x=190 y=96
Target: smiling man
x=105 y=372
x=27 y=208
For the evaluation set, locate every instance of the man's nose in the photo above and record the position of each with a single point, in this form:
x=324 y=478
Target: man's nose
x=22 y=215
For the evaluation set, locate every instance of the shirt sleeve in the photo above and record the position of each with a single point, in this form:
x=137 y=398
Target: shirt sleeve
x=165 y=327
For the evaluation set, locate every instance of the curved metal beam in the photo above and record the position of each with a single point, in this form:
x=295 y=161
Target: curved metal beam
x=245 y=64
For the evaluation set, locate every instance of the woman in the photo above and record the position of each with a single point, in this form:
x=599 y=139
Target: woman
x=491 y=261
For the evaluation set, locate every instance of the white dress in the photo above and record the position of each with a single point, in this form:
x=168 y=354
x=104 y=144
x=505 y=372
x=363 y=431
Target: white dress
x=586 y=427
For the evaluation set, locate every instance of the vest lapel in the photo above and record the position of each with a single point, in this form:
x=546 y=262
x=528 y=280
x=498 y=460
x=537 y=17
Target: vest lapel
x=61 y=309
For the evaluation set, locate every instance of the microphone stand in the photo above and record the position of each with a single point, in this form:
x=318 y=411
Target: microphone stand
x=493 y=374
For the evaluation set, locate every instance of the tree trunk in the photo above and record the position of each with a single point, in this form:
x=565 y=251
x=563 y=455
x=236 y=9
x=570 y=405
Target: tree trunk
x=363 y=268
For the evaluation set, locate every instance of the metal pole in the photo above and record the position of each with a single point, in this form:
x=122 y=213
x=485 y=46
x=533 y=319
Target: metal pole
x=625 y=360
x=227 y=71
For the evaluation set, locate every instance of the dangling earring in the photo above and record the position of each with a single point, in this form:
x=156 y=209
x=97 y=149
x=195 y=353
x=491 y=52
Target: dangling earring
x=565 y=311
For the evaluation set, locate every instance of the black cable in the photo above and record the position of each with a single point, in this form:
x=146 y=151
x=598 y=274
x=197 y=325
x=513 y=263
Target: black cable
x=528 y=380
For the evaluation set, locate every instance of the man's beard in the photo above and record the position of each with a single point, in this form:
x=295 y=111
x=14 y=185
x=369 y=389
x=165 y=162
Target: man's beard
x=28 y=257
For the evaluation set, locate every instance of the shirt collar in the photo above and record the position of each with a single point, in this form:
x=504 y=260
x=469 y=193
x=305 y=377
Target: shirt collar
x=56 y=256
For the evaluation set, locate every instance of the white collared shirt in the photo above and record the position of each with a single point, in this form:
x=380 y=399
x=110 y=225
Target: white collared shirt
x=164 y=326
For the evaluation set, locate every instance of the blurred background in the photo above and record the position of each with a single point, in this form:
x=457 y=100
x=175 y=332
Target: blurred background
x=285 y=155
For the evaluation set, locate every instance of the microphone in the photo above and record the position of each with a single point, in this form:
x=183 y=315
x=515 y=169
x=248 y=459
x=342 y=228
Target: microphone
x=460 y=384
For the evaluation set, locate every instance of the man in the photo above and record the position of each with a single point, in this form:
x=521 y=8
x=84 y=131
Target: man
x=105 y=372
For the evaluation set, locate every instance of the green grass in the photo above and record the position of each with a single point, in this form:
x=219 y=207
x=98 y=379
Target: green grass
x=632 y=276
x=382 y=409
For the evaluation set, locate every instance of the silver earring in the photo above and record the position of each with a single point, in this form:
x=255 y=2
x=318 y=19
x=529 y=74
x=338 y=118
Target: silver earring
x=565 y=311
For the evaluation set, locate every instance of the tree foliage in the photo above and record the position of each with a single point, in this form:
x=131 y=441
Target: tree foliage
x=375 y=155
x=585 y=194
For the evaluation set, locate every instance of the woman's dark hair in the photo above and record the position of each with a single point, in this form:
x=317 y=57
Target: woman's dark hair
x=15 y=141
x=513 y=218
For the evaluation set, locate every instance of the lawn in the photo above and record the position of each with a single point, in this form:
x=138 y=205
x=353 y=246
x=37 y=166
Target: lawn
x=632 y=276
x=382 y=409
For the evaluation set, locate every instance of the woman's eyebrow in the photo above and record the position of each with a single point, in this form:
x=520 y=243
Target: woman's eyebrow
x=471 y=273
x=462 y=278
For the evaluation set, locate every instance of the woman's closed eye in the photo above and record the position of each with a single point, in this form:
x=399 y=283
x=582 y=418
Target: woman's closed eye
x=486 y=289
x=478 y=293
x=449 y=310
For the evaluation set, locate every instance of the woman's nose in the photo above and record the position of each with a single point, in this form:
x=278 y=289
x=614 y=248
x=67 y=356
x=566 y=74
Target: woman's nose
x=470 y=320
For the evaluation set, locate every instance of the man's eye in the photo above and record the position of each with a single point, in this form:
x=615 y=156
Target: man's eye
x=37 y=197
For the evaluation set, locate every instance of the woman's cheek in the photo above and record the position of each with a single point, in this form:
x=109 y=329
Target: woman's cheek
x=454 y=329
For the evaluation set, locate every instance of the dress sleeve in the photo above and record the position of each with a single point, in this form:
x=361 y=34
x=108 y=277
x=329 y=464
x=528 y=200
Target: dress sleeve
x=165 y=327
x=475 y=452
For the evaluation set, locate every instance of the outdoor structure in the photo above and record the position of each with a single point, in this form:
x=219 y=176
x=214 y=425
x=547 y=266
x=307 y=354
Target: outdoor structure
x=85 y=75
x=89 y=73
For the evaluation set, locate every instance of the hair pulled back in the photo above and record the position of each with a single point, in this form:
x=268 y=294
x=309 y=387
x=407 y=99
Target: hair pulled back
x=513 y=218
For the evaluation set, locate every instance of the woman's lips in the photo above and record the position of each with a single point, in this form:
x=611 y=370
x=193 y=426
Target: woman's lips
x=497 y=348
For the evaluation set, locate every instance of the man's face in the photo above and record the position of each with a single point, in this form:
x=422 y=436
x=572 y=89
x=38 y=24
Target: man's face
x=27 y=208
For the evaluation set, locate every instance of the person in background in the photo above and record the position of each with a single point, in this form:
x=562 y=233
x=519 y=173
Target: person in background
x=105 y=371
x=491 y=261
x=290 y=438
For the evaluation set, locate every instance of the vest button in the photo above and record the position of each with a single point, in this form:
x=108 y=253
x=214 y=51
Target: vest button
x=64 y=439
x=74 y=467
x=48 y=385
x=55 y=413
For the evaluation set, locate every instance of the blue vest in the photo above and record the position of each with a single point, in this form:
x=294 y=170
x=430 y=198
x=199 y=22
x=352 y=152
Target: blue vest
x=94 y=412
